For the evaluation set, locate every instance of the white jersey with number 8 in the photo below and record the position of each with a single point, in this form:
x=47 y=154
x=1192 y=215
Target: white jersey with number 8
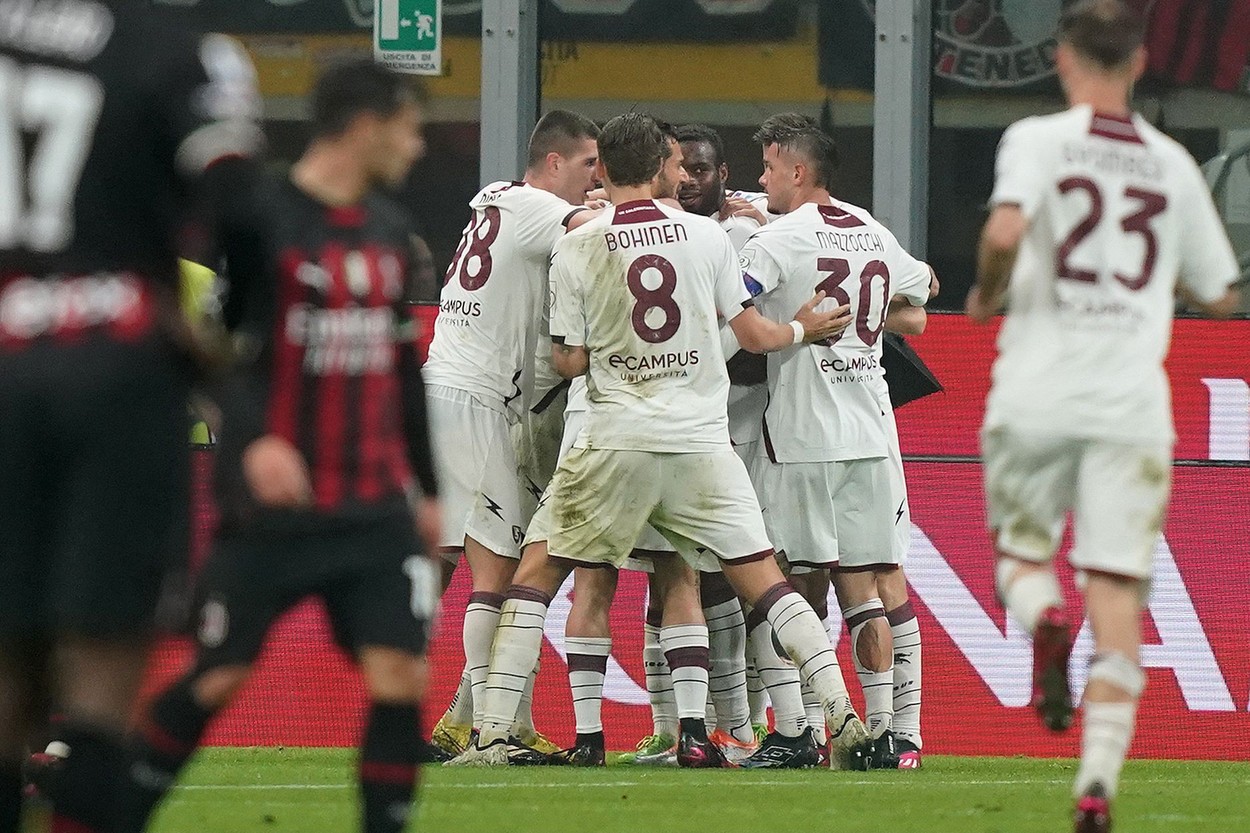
x=643 y=287
x=825 y=399
x=1117 y=212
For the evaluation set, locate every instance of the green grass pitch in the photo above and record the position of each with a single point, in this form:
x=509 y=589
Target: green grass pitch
x=309 y=791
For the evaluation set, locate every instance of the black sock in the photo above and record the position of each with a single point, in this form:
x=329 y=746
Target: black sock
x=592 y=739
x=389 y=752
x=694 y=726
x=88 y=783
x=10 y=800
x=167 y=738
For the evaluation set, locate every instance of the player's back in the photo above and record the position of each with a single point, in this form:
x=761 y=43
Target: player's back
x=491 y=303
x=1117 y=212
x=642 y=287
x=107 y=110
x=824 y=402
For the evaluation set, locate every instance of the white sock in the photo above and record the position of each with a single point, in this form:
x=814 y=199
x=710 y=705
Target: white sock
x=779 y=678
x=905 y=630
x=757 y=695
x=727 y=678
x=802 y=636
x=588 y=664
x=518 y=641
x=480 y=620
x=1108 y=726
x=1028 y=594
x=878 y=686
x=524 y=725
x=815 y=712
x=685 y=648
x=460 y=709
x=659 y=683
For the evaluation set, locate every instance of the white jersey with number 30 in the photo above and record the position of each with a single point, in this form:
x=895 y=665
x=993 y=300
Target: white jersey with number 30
x=824 y=399
x=490 y=305
x=643 y=287
x=1116 y=212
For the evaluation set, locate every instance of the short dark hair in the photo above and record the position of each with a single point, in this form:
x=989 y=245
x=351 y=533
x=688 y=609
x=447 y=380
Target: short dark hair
x=703 y=133
x=557 y=132
x=667 y=128
x=802 y=134
x=1107 y=32
x=632 y=147
x=347 y=90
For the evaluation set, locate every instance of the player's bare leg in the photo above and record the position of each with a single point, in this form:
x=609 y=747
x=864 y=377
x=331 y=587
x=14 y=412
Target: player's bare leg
x=660 y=747
x=19 y=712
x=518 y=642
x=727 y=677
x=1030 y=592
x=492 y=574
x=1111 y=694
x=905 y=633
x=802 y=636
x=390 y=745
x=588 y=640
x=872 y=647
x=684 y=638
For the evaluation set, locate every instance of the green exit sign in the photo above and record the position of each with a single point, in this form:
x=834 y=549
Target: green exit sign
x=408 y=35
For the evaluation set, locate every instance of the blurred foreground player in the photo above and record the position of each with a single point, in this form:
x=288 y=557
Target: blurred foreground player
x=107 y=126
x=1096 y=215
x=323 y=431
x=642 y=286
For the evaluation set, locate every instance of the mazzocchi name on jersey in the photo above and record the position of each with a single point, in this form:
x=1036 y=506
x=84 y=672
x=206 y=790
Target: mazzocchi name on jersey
x=859 y=241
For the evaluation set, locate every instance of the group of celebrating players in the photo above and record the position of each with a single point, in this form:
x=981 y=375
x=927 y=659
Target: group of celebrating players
x=659 y=375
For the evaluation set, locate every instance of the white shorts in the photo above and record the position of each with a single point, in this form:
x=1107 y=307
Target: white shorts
x=601 y=499
x=902 y=524
x=477 y=472
x=837 y=514
x=536 y=439
x=1116 y=492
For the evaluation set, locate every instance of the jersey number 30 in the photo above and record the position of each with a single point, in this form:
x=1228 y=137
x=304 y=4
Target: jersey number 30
x=60 y=108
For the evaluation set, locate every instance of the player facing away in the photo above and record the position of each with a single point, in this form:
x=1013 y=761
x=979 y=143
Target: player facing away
x=323 y=434
x=638 y=293
x=490 y=311
x=1098 y=222
x=831 y=492
x=106 y=125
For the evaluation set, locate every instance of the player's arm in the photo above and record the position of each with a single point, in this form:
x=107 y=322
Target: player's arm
x=570 y=360
x=905 y=319
x=568 y=317
x=905 y=314
x=1208 y=264
x=760 y=335
x=996 y=255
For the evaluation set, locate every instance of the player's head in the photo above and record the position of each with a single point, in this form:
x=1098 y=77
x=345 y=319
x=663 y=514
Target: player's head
x=632 y=149
x=799 y=158
x=703 y=157
x=374 y=110
x=1100 y=38
x=672 y=175
x=562 y=154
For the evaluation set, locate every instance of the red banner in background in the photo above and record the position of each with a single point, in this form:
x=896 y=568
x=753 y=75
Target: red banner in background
x=976 y=664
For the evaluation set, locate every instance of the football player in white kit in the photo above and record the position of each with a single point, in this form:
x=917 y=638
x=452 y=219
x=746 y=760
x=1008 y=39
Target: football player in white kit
x=830 y=484
x=489 y=310
x=637 y=297
x=1096 y=217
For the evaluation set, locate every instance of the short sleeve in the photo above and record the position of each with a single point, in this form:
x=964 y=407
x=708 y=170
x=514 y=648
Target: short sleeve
x=1208 y=264
x=213 y=105
x=542 y=223
x=759 y=268
x=1018 y=178
x=731 y=294
x=909 y=277
x=568 y=313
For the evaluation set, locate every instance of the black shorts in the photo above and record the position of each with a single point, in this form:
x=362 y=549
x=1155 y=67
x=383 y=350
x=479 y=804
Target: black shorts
x=94 y=479
x=365 y=574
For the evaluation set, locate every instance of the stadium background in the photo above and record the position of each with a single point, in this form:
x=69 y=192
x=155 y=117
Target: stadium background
x=730 y=63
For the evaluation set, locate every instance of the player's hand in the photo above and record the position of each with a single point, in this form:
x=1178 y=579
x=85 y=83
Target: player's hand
x=819 y=326
x=276 y=473
x=979 y=308
x=596 y=198
x=739 y=207
x=430 y=524
x=935 y=286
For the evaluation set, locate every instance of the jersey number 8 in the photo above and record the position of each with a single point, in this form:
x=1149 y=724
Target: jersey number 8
x=660 y=298
x=475 y=245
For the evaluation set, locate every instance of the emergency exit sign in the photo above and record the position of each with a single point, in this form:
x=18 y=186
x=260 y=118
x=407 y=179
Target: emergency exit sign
x=408 y=35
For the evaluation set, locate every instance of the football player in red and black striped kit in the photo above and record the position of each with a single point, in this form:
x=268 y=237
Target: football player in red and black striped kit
x=325 y=481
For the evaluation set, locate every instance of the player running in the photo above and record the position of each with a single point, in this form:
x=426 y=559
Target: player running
x=490 y=311
x=110 y=115
x=323 y=431
x=1096 y=217
x=827 y=438
x=637 y=297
